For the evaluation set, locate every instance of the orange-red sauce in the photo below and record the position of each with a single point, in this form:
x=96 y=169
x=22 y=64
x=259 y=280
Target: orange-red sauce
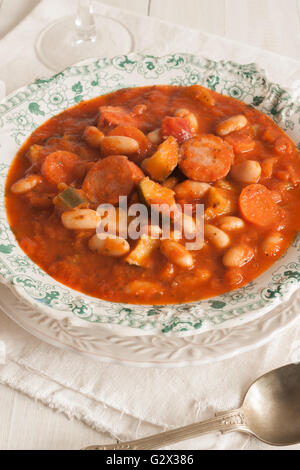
x=64 y=254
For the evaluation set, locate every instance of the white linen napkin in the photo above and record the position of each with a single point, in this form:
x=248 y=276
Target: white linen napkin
x=128 y=403
x=2 y=352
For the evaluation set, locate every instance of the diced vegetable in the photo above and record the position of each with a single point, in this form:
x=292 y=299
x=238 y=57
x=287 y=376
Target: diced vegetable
x=283 y=146
x=154 y=194
x=190 y=117
x=202 y=94
x=163 y=162
x=62 y=167
x=241 y=143
x=114 y=116
x=70 y=198
x=258 y=207
x=267 y=167
x=220 y=202
x=141 y=254
x=177 y=127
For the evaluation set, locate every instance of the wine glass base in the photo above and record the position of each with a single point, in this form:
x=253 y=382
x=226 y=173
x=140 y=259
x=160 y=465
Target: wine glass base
x=57 y=46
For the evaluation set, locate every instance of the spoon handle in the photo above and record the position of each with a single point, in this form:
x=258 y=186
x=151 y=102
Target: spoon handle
x=224 y=422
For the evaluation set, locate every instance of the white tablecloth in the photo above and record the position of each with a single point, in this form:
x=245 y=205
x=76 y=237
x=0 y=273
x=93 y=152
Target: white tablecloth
x=129 y=402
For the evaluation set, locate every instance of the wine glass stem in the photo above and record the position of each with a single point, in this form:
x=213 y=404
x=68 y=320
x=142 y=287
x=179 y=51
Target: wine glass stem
x=85 y=23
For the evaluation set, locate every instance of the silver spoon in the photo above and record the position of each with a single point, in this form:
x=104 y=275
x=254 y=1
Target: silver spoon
x=271 y=412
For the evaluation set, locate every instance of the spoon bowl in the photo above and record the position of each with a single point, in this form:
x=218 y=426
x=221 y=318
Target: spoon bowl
x=272 y=406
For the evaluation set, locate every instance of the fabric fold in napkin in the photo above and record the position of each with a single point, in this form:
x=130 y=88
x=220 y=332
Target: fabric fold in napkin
x=127 y=402
x=2 y=352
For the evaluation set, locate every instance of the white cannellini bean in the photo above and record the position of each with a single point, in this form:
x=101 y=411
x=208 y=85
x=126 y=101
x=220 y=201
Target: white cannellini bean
x=113 y=220
x=272 y=244
x=93 y=136
x=35 y=154
x=109 y=246
x=216 y=236
x=177 y=254
x=238 y=256
x=26 y=184
x=155 y=137
x=153 y=231
x=80 y=219
x=247 y=172
x=231 y=224
x=235 y=123
x=175 y=235
x=189 y=190
x=119 y=145
x=190 y=117
x=189 y=225
x=143 y=288
x=186 y=225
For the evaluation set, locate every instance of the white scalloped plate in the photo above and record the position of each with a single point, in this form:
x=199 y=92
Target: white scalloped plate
x=149 y=350
x=161 y=335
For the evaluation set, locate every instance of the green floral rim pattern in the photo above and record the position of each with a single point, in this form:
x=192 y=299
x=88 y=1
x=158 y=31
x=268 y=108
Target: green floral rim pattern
x=29 y=107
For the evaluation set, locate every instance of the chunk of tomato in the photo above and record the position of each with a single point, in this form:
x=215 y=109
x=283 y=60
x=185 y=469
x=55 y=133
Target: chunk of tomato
x=177 y=127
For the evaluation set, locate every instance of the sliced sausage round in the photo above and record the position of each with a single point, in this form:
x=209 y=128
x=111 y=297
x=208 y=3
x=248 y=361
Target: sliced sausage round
x=206 y=158
x=111 y=178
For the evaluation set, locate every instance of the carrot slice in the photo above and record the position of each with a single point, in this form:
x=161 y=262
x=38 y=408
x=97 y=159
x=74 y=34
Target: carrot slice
x=136 y=134
x=241 y=142
x=62 y=167
x=206 y=158
x=257 y=206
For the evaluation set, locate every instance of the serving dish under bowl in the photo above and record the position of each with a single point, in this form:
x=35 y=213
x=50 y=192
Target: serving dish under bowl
x=29 y=107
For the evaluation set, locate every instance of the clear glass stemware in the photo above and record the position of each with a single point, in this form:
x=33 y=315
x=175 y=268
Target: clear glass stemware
x=71 y=39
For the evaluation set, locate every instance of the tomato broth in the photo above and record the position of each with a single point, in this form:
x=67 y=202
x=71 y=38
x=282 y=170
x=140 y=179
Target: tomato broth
x=161 y=143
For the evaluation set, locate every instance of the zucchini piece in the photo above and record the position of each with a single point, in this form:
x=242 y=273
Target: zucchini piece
x=142 y=252
x=164 y=161
x=220 y=202
x=153 y=193
x=70 y=198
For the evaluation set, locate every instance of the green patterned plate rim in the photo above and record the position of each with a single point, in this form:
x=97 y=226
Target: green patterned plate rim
x=28 y=107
